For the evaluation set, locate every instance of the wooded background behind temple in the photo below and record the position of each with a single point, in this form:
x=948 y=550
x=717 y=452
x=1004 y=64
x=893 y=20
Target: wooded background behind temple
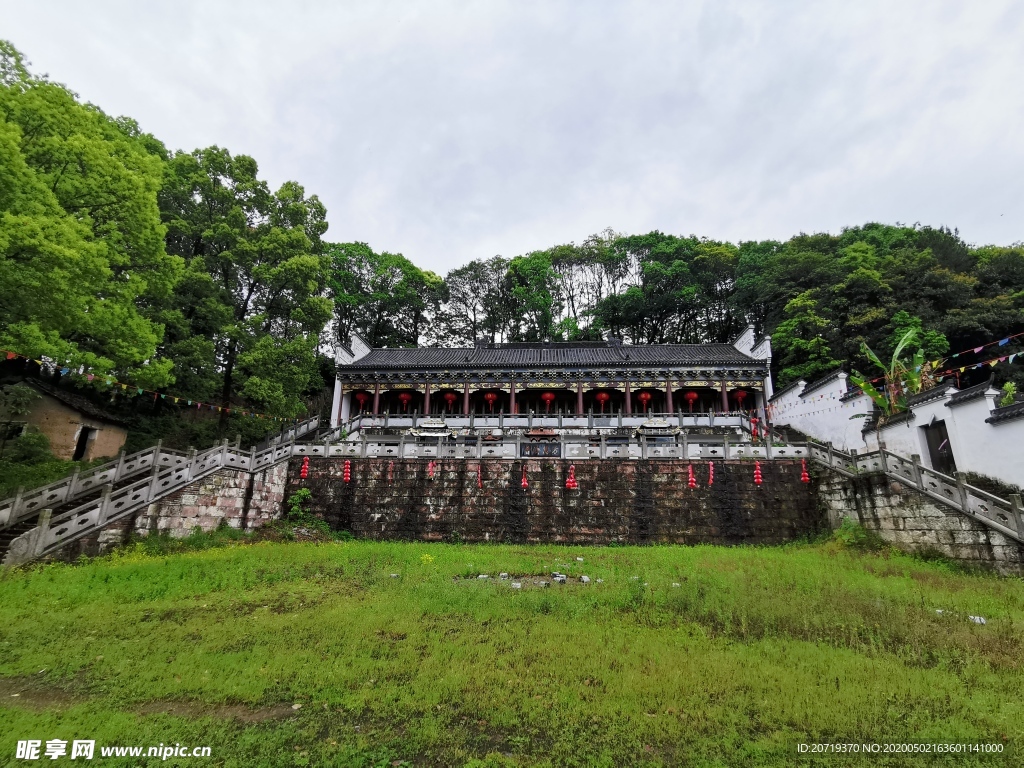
x=184 y=272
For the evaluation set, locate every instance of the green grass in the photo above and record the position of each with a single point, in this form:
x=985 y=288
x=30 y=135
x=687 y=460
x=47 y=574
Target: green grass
x=756 y=650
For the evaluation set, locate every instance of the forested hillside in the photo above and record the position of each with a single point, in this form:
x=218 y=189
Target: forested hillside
x=185 y=274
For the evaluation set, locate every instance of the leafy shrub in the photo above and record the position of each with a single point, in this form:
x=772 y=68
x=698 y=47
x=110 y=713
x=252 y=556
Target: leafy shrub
x=853 y=535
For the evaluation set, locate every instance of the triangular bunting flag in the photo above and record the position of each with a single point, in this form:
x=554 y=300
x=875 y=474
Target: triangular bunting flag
x=1004 y=342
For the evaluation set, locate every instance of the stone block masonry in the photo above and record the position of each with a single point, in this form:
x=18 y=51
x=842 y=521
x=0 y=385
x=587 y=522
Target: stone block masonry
x=624 y=501
x=912 y=522
x=235 y=497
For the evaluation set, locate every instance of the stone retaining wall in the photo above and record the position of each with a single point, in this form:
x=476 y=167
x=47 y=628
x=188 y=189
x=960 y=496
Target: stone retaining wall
x=617 y=501
x=911 y=521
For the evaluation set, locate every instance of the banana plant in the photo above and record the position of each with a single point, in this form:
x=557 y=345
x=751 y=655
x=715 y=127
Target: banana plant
x=901 y=378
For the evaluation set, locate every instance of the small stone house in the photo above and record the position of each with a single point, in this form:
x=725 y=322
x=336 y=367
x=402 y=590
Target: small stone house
x=77 y=428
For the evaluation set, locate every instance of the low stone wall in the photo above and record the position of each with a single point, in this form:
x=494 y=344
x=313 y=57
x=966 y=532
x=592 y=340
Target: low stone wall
x=911 y=521
x=617 y=501
x=234 y=497
x=239 y=499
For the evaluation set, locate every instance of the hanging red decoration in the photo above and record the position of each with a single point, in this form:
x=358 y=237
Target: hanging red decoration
x=691 y=398
x=753 y=427
x=361 y=398
x=491 y=398
x=645 y=399
x=347 y=472
x=711 y=473
x=740 y=396
x=430 y=469
x=304 y=472
x=391 y=471
x=525 y=483
x=804 y=477
x=405 y=398
x=450 y=398
x=691 y=480
x=757 y=473
x=602 y=398
x=548 y=398
x=570 y=481
x=480 y=477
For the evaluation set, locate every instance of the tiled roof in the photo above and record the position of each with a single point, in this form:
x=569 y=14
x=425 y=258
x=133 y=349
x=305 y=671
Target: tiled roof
x=76 y=401
x=971 y=393
x=818 y=384
x=928 y=395
x=1007 y=413
x=560 y=354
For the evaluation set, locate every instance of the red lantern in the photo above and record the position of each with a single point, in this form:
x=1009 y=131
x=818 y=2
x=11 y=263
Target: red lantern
x=691 y=480
x=548 y=398
x=491 y=398
x=711 y=473
x=347 y=472
x=525 y=483
x=602 y=398
x=691 y=398
x=361 y=398
x=753 y=427
x=740 y=395
x=804 y=477
x=430 y=469
x=570 y=481
x=405 y=398
x=391 y=471
x=450 y=398
x=757 y=473
x=304 y=472
x=644 y=398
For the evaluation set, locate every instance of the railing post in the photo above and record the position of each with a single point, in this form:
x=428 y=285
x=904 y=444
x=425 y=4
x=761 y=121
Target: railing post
x=120 y=466
x=965 y=501
x=830 y=464
x=224 y=452
x=191 y=463
x=915 y=468
x=590 y=418
x=44 y=528
x=604 y=445
x=768 y=449
x=16 y=509
x=643 y=446
x=725 y=446
x=1018 y=512
x=101 y=518
x=153 y=473
x=686 y=447
x=401 y=446
x=69 y=492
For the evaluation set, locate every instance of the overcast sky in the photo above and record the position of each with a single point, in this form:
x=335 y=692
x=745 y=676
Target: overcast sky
x=449 y=131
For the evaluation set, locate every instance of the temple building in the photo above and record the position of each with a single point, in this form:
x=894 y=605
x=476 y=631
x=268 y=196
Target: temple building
x=571 y=378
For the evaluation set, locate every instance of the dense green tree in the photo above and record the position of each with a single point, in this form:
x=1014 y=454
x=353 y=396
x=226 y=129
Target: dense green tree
x=82 y=258
x=246 y=319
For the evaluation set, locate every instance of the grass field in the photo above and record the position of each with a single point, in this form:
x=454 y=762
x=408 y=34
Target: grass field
x=291 y=654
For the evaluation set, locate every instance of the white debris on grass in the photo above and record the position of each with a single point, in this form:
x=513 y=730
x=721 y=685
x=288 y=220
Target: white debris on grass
x=517 y=585
x=585 y=579
x=977 y=619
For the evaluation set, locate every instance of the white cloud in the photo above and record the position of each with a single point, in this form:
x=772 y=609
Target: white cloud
x=451 y=131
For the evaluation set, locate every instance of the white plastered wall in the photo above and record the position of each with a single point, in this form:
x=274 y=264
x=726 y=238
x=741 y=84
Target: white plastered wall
x=823 y=414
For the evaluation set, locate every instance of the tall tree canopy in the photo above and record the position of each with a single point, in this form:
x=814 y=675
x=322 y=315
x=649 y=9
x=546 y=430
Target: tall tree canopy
x=82 y=259
x=247 y=315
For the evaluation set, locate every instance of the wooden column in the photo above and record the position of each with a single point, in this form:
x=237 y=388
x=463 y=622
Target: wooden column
x=465 y=400
x=668 y=398
x=426 y=399
x=629 y=404
x=579 y=398
x=376 y=398
x=512 y=399
x=725 y=397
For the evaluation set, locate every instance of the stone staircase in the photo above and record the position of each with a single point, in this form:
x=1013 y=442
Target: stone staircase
x=41 y=522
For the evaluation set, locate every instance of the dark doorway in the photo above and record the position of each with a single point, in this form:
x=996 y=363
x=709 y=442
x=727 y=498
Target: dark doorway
x=939 y=450
x=83 y=443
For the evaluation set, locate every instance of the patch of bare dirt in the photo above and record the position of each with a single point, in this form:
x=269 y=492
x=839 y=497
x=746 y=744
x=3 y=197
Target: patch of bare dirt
x=28 y=693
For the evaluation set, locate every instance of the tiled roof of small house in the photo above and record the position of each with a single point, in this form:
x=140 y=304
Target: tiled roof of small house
x=971 y=393
x=1007 y=413
x=80 y=403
